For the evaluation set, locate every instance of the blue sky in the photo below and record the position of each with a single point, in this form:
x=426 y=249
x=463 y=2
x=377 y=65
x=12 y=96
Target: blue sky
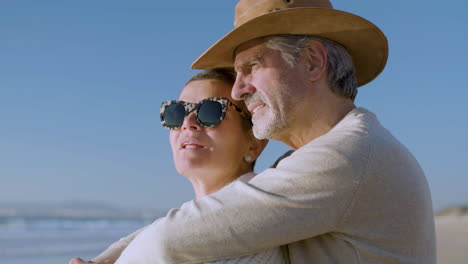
x=81 y=84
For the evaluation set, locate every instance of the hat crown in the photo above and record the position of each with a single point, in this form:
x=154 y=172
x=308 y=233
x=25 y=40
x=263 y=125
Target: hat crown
x=247 y=10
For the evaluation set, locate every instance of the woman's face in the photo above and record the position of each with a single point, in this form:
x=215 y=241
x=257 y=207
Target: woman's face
x=215 y=151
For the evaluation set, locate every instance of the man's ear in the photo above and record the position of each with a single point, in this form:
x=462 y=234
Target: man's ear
x=316 y=60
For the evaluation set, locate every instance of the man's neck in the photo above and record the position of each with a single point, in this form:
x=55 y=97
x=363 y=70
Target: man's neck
x=319 y=122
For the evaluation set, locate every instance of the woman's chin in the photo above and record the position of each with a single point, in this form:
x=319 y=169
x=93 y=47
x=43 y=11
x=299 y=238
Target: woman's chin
x=189 y=166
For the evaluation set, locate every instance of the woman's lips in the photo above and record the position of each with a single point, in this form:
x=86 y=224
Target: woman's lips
x=192 y=146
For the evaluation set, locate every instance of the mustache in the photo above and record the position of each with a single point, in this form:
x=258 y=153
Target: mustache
x=253 y=98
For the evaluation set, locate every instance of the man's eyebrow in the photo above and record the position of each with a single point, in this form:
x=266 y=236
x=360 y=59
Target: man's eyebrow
x=245 y=63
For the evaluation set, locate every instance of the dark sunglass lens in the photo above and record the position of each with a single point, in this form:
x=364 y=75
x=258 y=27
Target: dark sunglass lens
x=174 y=115
x=210 y=113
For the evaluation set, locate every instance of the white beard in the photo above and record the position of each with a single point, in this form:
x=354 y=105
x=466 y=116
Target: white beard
x=269 y=124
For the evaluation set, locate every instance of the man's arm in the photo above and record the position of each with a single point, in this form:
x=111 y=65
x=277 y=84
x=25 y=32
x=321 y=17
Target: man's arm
x=305 y=196
x=112 y=253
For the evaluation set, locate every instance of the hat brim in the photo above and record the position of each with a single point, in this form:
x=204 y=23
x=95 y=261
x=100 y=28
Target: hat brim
x=364 y=41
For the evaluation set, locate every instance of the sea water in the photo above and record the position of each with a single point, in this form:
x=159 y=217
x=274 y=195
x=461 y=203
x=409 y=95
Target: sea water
x=56 y=241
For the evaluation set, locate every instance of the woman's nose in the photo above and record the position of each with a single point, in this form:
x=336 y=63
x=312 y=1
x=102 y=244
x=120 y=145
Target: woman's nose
x=190 y=122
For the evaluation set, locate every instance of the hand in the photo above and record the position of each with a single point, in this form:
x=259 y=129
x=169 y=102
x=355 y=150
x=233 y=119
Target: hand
x=78 y=261
x=81 y=261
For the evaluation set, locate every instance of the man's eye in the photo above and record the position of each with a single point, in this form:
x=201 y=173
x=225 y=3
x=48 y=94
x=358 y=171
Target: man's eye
x=253 y=65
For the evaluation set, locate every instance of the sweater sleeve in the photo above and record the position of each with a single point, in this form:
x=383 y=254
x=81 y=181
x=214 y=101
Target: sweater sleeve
x=112 y=253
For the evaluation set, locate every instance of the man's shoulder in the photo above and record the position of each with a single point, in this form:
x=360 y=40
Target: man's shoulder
x=358 y=131
x=354 y=133
x=356 y=140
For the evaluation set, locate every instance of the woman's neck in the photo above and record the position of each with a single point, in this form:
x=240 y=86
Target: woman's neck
x=208 y=182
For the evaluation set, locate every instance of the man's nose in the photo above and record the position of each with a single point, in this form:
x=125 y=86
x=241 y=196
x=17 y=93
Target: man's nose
x=190 y=122
x=241 y=88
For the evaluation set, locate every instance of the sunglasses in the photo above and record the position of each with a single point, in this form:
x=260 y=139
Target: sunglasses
x=209 y=112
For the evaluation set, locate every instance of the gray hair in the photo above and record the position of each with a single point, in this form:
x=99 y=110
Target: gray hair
x=340 y=68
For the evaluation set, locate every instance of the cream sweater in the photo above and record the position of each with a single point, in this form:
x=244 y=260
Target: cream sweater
x=353 y=195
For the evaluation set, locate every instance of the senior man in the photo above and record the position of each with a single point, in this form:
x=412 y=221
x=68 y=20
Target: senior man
x=350 y=193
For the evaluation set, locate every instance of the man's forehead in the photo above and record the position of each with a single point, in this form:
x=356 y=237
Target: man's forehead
x=249 y=44
x=248 y=50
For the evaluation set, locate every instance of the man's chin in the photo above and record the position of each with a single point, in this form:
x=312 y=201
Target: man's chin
x=260 y=131
x=263 y=125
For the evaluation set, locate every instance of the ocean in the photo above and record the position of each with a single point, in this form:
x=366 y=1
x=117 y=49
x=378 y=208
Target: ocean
x=57 y=240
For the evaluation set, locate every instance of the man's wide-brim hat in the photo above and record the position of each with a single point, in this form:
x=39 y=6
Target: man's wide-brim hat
x=364 y=41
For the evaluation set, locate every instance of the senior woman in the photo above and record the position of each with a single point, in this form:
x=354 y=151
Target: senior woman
x=212 y=145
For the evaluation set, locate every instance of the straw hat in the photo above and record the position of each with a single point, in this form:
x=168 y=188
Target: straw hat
x=257 y=18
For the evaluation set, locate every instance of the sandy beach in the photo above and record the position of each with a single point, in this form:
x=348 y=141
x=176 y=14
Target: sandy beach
x=452 y=239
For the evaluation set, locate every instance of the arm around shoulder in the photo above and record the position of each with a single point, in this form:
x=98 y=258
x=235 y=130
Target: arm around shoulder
x=306 y=195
